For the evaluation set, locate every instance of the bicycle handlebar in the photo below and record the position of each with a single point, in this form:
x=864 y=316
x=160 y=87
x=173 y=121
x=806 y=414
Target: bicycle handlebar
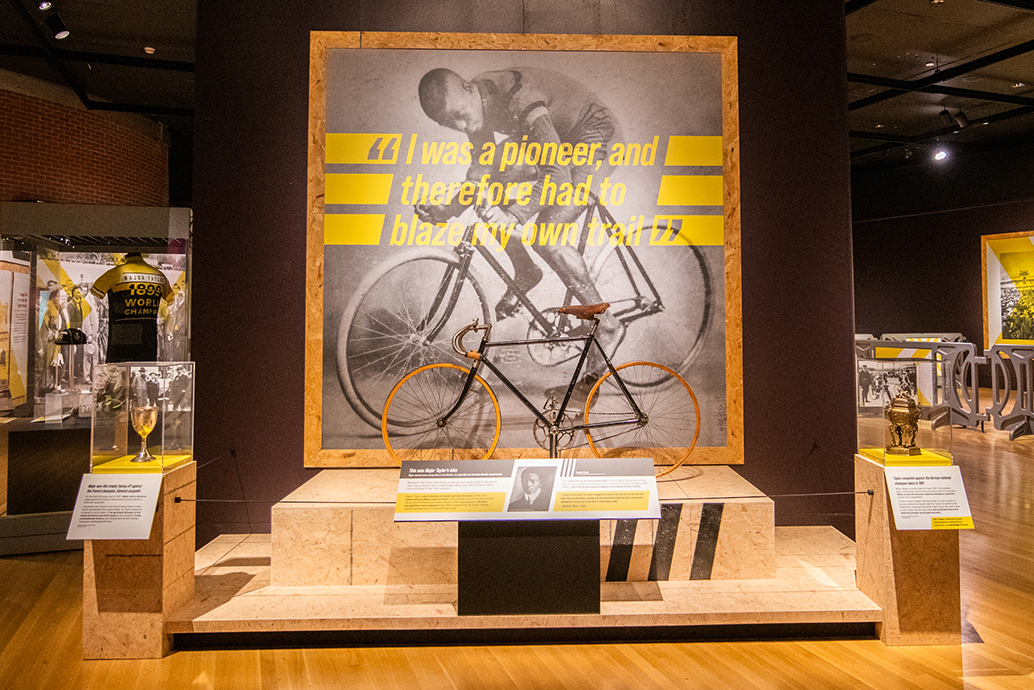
x=457 y=340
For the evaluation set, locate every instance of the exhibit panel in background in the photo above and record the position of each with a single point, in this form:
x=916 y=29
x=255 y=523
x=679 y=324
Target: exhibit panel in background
x=646 y=126
x=1008 y=271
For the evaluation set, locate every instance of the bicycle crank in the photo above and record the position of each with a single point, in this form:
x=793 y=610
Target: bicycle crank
x=542 y=432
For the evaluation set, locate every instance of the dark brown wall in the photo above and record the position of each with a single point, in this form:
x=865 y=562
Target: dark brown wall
x=917 y=239
x=250 y=189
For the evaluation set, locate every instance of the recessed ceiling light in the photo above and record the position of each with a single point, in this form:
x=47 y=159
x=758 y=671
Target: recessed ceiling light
x=940 y=154
x=149 y=50
x=1018 y=85
x=56 y=26
x=45 y=5
x=879 y=126
x=936 y=2
x=931 y=63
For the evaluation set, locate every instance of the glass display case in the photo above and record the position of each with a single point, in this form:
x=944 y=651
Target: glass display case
x=900 y=421
x=55 y=329
x=143 y=416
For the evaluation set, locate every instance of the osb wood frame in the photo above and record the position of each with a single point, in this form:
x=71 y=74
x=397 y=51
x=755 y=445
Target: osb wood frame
x=322 y=41
x=984 y=239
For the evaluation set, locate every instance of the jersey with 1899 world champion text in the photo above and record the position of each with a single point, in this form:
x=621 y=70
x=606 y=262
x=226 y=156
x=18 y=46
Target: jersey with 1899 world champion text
x=135 y=291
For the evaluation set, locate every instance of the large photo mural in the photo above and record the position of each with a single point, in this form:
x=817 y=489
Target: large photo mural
x=449 y=184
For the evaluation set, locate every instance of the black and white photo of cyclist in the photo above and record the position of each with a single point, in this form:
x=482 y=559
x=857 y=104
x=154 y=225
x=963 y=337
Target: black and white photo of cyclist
x=511 y=254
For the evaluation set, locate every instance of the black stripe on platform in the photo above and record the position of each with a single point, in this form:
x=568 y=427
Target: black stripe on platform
x=707 y=541
x=664 y=542
x=621 y=550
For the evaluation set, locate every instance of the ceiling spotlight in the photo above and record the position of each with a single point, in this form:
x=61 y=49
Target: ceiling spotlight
x=1018 y=85
x=946 y=118
x=961 y=120
x=931 y=63
x=149 y=50
x=56 y=26
x=936 y=2
x=940 y=155
x=45 y=5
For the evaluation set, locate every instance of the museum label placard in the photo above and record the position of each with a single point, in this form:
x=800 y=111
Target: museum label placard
x=115 y=506
x=528 y=489
x=928 y=498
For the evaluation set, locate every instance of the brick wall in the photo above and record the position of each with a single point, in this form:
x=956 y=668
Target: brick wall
x=54 y=153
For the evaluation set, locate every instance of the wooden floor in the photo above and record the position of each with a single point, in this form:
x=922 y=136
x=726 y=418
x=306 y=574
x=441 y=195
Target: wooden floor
x=40 y=630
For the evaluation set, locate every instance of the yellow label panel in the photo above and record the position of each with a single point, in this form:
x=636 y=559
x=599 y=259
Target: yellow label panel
x=690 y=190
x=601 y=500
x=694 y=151
x=680 y=230
x=363 y=149
x=956 y=522
x=360 y=188
x=352 y=228
x=484 y=502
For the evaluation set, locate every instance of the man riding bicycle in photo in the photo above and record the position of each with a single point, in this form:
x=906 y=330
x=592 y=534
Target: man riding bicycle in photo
x=534 y=106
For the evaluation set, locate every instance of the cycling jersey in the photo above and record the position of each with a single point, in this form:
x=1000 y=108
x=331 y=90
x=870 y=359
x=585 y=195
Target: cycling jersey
x=135 y=291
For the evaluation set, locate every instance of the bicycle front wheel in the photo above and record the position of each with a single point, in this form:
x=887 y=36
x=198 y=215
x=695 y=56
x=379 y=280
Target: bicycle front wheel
x=669 y=426
x=401 y=318
x=414 y=423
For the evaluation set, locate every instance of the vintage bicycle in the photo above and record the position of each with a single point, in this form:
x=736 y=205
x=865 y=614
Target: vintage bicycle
x=399 y=318
x=444 y=411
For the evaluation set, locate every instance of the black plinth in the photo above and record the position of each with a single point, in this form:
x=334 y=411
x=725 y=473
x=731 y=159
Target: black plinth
x=45 y=465
x=529 y=567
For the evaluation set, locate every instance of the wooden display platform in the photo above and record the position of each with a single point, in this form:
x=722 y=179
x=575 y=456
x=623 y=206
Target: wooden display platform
x=338 y=529
x=336 y=561
x=814 y=583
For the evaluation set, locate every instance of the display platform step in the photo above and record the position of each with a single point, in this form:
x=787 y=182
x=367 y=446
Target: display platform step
x=338 y=529
x=813 y=584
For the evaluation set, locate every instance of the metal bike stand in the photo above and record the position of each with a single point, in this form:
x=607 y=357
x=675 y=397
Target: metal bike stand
x=527 y=567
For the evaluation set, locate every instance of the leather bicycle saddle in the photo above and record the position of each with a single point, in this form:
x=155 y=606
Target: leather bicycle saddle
x=584 y=311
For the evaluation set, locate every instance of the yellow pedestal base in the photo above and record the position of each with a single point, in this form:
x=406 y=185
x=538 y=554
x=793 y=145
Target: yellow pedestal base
x=925 y=459
x=125 y=464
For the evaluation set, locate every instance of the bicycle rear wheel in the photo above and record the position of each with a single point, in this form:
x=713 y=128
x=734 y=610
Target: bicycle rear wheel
x=669 y=429
x=413 y=423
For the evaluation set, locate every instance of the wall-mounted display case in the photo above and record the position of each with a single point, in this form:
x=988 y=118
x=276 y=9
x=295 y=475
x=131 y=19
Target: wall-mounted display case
x=898 y=420
x=143 y=416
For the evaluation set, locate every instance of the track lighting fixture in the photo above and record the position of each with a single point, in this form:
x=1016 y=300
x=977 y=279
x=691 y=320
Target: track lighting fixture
x=56 y=26
x=961 y=120
x=946 y=118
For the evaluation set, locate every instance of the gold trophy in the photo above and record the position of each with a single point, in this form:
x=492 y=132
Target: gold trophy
x=143 y=413
x=902 y=415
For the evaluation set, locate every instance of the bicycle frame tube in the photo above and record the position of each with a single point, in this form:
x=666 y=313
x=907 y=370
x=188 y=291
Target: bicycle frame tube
x=521 y=295
x=659 y=306
x=460 y=273
x=590 y=341
x=468 y=383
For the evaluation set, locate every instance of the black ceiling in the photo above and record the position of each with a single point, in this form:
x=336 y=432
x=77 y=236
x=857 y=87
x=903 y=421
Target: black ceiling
x=907 y=62
x=103 y=59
